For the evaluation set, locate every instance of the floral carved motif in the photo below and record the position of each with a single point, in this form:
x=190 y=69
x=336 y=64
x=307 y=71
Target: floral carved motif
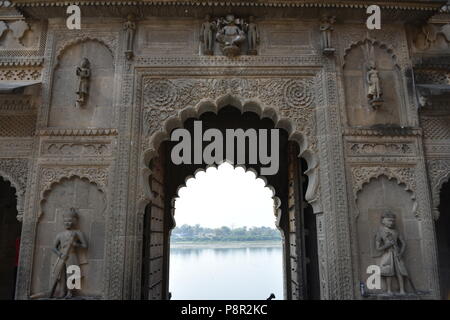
x=162 y=98
x=363 y=175
x=53 y=175
x=380 y=148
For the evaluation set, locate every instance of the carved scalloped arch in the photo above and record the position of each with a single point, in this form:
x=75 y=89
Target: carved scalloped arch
x=20 y=194
x=378 y=43
x=276 y=200
x=436 y=192
x=244 y=105
x=390 y=176
x=78 y=40
x=48 y=188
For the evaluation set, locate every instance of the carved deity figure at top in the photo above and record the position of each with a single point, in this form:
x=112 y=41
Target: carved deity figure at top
x=207 y=35
x=130 y=28
x=84 y=74
x=230 y=35
x=390 y=243
x=374 y=92
x=252 y=35
x=326 y=27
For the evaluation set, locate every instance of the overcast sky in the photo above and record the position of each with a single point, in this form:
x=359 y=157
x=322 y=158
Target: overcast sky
x=225 y=197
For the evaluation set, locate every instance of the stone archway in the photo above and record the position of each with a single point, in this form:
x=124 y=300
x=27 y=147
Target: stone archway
x=156 y=208
x=442 y=227
x=10 y=230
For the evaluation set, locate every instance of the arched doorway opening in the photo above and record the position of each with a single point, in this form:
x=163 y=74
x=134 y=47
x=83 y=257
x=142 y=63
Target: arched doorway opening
x=225 y=236
x=10 y=230
x=295 y=218
x=443 y=240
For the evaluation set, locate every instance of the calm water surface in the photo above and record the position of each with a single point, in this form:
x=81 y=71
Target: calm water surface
x=214 y=273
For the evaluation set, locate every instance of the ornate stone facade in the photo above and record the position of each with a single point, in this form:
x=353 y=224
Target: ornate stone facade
x=150 y=75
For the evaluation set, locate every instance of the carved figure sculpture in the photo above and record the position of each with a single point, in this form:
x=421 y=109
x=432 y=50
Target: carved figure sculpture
x=230 y=35
x=207 y=35
x=84 y=74
x=373 y=87
x=391 y=244
x=326 y=27
x=130 y=28
x=252 y=36
x=65 y=247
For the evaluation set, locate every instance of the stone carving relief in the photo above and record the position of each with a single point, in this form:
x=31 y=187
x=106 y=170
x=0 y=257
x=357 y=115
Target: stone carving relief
x=66 y=246
x=365 y=148
x=20 y=74
x=164 y=97
x=439 y=173
x=234 y=35
x=390 y=243
x=374 y=94
x=130 y=29
x=78 y=204
x=16 y=172
x=88 y=149
x=207 y=35
x=432 y=37
x=83 y=78
x=326 y=28
x=363 y=175
x=50 y=176
x=252 y=36
x=436 y=127
x=64 y=42
x=17 y=30
x=391 y=236
x=83 y=73
x=14 y=147
x=230 y=34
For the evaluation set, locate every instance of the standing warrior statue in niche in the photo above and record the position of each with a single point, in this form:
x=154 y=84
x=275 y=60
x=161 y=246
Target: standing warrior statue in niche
x=65 y=246
x=84 y=74
x=373 y=86
x=130 y=28
x=326 y=27
x=391 y=244
x=252 y=36
x=207 y=35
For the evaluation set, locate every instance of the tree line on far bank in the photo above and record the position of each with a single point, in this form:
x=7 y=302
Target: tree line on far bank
x=186 y=233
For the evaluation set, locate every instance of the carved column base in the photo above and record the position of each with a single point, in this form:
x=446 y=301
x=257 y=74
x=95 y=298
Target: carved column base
x=208 y=52
x=252 y=52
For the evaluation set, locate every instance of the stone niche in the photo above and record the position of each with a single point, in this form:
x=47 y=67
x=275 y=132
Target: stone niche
x=97 y=111
x=359 y=110
x=90 y=204
x=375 y=197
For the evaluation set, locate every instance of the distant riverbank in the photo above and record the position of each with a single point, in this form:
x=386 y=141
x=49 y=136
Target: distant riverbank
x=226 y=244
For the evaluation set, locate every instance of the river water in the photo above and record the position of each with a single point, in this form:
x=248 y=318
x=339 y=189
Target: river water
x=226 y=272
